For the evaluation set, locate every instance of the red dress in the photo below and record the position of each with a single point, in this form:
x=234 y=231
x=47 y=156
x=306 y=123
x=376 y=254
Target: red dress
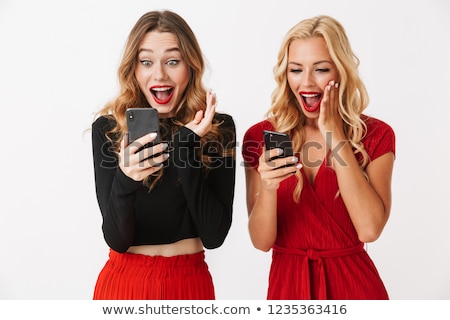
x=317 y=253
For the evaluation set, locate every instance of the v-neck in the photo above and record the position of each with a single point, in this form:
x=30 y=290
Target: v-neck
x=313 y=183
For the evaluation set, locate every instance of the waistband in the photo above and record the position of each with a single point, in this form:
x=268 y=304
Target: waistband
x=141 y=260
x=317 y=255
x=314 y=254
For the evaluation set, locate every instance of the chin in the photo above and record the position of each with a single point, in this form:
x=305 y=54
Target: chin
x=164 y=113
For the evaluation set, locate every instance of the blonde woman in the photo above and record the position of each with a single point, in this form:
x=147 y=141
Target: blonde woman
x=162 y=205
x=335 y=194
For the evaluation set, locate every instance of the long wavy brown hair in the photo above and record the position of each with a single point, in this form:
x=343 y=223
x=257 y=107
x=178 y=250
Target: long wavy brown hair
x=130 y=95
x=286 y=113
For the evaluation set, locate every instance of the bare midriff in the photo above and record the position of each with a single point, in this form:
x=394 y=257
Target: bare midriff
x=185 y=246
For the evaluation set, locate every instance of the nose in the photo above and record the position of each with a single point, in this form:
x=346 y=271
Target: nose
x=158 y=72
x=307 y=79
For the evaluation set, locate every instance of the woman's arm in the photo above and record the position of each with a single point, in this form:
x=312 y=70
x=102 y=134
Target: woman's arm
x=115 y=191
x=368 y=201
x=117 y=177
x=209 y=198
x=262 y=211
x=261 y=194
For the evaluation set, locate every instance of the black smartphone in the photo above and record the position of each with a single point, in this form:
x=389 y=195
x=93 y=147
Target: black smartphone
x=141 y=121
x=280 y=140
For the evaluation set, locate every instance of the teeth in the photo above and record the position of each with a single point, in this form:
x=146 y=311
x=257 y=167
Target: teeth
x=310 y=95
x=161 y=89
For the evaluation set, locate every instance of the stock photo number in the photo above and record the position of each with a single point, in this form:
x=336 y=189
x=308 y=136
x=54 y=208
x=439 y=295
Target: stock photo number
x=307 y=309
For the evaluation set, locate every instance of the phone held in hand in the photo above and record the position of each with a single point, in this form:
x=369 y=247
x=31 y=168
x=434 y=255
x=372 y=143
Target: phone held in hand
x=142 y=121
x=280 y=140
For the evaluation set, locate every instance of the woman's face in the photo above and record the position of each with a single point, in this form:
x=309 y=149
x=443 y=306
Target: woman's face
x=309 y=71
x=161 y=72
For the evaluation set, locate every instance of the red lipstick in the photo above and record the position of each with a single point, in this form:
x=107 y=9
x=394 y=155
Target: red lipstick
x=311 y=100
x=162 y=94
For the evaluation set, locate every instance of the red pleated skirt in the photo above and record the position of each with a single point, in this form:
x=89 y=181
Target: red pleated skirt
x=128 y=276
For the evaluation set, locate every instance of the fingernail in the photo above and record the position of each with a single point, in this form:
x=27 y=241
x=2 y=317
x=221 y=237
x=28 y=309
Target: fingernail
x=294 y=159
x=280 y=151
x=165 y=146
x=337 y=85
x=299 y=166
x=153 y=135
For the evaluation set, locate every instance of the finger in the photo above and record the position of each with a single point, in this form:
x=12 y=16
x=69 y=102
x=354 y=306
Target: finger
x=330 y=101
x=123 y=145
x=153 y=150
x=326 y=98
x=156 y=161
x=198 y=116
x=140 y=142
x=282 y=162
x=148 y=171
x=274 y=177
x=211 y=98
x=281 y=173
x=210 y=112
x=211 y=102
x=127 y=152
x=334 y=95
x=125 y=141
x=269 y=154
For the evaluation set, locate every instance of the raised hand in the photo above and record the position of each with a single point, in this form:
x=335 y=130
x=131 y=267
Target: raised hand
x=329 y=119
x=202 y=122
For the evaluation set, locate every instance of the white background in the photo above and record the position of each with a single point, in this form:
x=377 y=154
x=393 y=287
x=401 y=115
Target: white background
x=58 y=62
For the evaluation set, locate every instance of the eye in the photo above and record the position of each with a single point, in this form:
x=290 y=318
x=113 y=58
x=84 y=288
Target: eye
x=323 y=70
x=295 y=70
x=146 y=63
x=173 y=62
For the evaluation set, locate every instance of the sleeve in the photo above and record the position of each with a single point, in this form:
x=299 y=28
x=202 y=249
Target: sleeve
x=209 y=197
x=115 y=191
x=252 y=145
x=380 y=138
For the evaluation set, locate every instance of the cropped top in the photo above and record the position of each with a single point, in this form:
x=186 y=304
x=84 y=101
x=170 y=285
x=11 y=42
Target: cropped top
x=187 y=202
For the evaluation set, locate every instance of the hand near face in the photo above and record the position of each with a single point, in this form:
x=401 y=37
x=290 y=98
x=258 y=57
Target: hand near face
x=202 y=122
x=329 y=119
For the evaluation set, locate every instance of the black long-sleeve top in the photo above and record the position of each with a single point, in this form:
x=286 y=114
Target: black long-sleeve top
x=185 y=203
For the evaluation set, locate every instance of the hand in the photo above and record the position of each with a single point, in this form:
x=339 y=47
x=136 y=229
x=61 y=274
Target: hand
x=272 y=172
x=202 y=122
x=136 y=164
x=329 y=118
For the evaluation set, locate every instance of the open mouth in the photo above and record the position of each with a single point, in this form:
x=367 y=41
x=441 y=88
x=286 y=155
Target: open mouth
x=162 y=95
x=311 y=100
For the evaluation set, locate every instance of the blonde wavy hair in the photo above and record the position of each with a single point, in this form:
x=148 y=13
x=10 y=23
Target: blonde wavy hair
x=286 y=114
x=130 y=95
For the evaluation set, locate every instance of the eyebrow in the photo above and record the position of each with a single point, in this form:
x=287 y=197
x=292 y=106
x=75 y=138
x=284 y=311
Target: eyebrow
x=315 y=63
x=174 y=49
